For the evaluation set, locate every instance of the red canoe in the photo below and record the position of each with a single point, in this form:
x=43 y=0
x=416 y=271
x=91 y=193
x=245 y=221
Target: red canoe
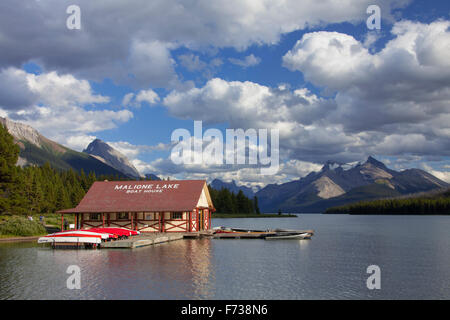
x=118 y=232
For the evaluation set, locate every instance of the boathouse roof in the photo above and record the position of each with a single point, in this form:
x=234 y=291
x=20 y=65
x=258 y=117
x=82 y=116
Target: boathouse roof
x=144 y=196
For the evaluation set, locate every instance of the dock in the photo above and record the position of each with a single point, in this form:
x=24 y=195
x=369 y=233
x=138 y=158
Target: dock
x=143 y=240
x=149 y=239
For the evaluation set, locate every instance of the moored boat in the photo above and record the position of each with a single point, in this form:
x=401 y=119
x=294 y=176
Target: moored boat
x=119 y=232
x=300 y=236
x=73 y=238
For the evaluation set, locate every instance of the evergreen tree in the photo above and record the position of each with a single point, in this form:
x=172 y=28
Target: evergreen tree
x=9 y=153
x=255 y=205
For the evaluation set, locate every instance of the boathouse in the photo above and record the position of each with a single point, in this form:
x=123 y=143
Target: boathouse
x=146 y=206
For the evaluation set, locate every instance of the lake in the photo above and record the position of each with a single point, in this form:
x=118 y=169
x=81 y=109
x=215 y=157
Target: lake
x=413 y=253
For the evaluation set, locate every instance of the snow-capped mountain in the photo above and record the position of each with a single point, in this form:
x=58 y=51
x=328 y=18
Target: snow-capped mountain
x=337 y=184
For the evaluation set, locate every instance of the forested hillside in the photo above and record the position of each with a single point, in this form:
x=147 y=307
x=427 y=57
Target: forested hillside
x=228 y=202
x=38 y=189
x=434 y=203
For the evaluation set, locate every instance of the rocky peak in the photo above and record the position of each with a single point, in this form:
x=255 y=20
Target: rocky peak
x=371 y=160
x=104 y=152
x=22 y=131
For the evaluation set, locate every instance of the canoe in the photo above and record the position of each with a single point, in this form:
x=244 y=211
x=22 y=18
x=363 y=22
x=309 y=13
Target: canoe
x=289 y=237
x=120 y=232
x=73 y=236
x=71 y=239
x=78 y=233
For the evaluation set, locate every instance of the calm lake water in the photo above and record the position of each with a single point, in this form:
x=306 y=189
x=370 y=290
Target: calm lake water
x=413 y=253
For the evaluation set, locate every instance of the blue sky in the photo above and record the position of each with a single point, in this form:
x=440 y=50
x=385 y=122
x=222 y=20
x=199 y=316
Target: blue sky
x=198 y=56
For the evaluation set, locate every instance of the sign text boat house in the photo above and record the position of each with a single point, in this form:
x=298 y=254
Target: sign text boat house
x=146 y=206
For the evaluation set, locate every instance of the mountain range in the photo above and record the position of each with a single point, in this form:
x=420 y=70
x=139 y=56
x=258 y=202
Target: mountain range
x=338 y=184
x=99 y=157
x=335 y=184
x=233 y=187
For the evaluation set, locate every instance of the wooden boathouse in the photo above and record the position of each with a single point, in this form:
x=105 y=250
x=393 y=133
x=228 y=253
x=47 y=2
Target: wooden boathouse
x=145 y=206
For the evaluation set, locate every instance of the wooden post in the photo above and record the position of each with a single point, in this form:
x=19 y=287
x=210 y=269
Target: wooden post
x=103 y=219
x=62 y=221
x=131 y=220
x=82 y=221
x=163 y=227
x=190 y=221
x=209 y=220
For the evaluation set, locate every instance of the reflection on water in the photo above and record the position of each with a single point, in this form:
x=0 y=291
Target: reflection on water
x=412 y=252
x=176 y=270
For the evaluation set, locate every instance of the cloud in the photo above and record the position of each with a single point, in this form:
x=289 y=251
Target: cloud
x=150 y=63
x=21 y=90
x=148 y=96
x=131 y=42
x=62 y=90
x=248 y=175
x=58 y=107
x=67 y=125
x=443 y=175
x=77 y=142
x=299 y=115
x=330 y=59
x=248 y=61
x=133 y=151
x=192 y=62
x=389 y=103
x=398 y=98
x=15 y=92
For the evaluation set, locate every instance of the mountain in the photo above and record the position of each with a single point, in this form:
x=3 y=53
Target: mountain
x=339 y=184
x=232 y=187
x=35 y=149
x=152 y=176
x=110 y=156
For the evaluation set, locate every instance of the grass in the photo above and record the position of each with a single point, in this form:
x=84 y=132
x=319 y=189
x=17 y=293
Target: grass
x=243 y=215
x=54 y=219
x=18 y=226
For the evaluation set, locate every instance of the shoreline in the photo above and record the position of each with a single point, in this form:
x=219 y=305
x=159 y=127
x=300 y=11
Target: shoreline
x=219 y=216
x=19 y=238
x=262 y=215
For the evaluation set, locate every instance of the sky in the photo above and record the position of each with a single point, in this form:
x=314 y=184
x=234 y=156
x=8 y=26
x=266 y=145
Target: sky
x=137 y=70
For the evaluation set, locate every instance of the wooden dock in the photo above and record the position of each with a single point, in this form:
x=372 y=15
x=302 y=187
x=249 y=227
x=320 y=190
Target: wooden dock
x=149 y=239
x=143 y=240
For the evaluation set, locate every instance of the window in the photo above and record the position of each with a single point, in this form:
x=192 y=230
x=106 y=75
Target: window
x=122 y=216
x=176 y=215
x=94 y=216
x=148 y=216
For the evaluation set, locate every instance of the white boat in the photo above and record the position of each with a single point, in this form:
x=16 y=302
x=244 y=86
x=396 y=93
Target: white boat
x=289 y=237
x=75 y=236
x=91 y=240
x=79 y=233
